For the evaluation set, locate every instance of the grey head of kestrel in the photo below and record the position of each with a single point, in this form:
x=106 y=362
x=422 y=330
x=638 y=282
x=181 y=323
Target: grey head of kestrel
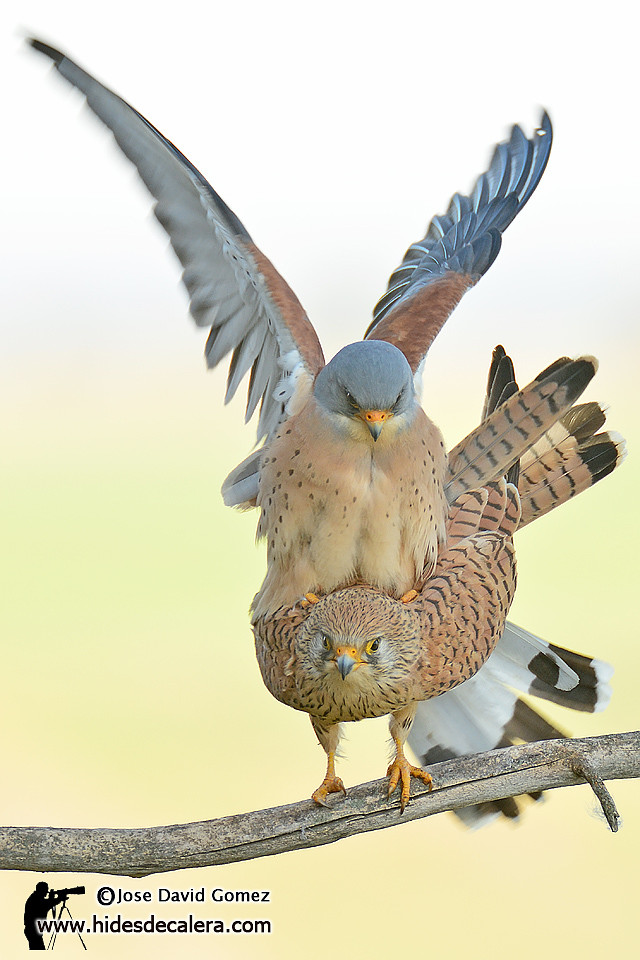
x=370 y=384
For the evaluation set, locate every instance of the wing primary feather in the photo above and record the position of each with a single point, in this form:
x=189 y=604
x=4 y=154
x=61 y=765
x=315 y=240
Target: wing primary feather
x=466 y=240
x=243 y=358
x=233 y=288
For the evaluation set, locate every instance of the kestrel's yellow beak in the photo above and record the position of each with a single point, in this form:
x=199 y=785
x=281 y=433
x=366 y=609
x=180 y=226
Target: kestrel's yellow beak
x=346 y=659
x=375 y=420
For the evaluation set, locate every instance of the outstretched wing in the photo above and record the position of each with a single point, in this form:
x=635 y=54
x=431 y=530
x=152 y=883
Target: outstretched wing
x=459 y=247
x=233 y=288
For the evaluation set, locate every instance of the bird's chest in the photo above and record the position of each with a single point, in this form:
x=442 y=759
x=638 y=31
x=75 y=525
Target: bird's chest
x=336 y=700
x=323 y=492
x=345 y=508
x=311 y=488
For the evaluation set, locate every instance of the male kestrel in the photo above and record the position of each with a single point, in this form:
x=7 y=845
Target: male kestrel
x=350 y=481
x=359 y=653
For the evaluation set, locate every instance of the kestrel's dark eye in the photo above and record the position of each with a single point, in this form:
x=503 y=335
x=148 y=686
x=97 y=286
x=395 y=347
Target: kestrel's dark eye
x=373 y=645
x=326 y=643
x=399 y=398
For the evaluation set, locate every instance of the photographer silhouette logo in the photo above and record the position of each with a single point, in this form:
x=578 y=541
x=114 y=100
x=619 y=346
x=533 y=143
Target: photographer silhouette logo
x=38 y=905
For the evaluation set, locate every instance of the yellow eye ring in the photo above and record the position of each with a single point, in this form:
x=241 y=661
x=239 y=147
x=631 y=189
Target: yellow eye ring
x=373 y=645
x=326 y=643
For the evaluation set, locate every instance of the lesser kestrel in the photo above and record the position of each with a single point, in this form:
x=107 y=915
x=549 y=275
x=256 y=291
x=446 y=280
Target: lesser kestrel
x=350 y=481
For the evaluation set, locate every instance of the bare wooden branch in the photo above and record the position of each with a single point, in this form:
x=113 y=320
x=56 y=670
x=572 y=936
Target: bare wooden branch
x=262 y=833
x=583 y=769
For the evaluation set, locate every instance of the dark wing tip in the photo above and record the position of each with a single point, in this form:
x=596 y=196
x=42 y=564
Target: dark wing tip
x=542 y=139
x=501 y=385
x=48 y=51
x=573 y=375
x=545 y=124
x=232 y=286
x=483 y=253
x=501 y=382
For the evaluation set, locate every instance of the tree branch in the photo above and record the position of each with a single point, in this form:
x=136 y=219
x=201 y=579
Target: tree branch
x=457 y=783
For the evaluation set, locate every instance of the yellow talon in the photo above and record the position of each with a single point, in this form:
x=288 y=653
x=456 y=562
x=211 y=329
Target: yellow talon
x=330 y=784
x=409 y=596
x=310 y=598
x=401 y=771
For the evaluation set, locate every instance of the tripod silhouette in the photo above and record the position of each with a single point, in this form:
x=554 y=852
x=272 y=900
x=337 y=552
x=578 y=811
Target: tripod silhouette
x=65 y=906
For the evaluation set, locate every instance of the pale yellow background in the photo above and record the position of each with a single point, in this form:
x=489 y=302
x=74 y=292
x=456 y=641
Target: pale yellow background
x=130 y=693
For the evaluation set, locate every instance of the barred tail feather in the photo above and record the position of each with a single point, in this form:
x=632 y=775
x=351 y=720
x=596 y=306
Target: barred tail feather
x=465 y=514
x=559 y=468
x=501 y=383
x=567 y=455
x=518 y=423
x=566 y=458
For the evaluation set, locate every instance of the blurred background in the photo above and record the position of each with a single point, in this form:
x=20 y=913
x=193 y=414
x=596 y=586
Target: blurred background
x=131 y=695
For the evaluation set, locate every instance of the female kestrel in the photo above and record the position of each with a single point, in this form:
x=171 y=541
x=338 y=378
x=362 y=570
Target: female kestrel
x=358 y=653
x=350 y=479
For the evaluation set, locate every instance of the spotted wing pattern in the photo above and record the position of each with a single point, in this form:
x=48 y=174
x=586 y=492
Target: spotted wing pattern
x=460 y=661
x=461 y=610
